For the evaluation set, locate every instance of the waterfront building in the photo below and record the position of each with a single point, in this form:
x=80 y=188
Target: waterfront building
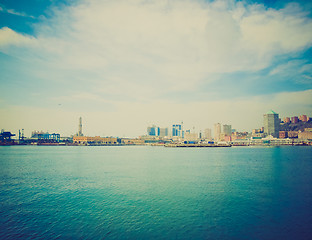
x=227 y=138
x=133 y=141
x=44 y=137
x=190 y=137
x=283 y=134
x=239 y=135
x=271 y=141
x=97 y=140
x=54 y=137
x=306 y=135
x=293 y=134
x=271 y=124
x=217 y=131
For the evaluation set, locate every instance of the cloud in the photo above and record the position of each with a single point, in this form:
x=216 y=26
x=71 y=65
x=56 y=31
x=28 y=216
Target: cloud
x=177 y=40
x=14 y=12
x=277 y=31
x=174 y=44
x=302 y=98
x=8 y=38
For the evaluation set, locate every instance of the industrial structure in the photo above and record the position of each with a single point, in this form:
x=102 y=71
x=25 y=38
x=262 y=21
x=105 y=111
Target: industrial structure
x=80 y=128
x=6 y=138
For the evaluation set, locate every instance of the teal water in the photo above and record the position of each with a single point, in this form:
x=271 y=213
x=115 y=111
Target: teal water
x=51 y=192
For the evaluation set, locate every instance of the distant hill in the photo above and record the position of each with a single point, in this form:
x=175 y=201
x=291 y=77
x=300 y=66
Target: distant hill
x=295 y=126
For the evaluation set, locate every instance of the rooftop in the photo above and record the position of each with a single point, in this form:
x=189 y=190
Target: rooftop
x=271 y=112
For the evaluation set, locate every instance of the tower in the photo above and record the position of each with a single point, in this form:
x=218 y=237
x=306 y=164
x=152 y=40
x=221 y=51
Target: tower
x=80 y=127
x=271 y=123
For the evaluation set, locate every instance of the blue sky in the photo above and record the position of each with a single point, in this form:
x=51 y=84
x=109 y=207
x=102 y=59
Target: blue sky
x=123 y=65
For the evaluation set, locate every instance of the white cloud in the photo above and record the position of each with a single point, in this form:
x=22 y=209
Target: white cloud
x=175 y=44
x=14 y=12
x=298 y=99
x=276 y=31
x=178 y=40
x=22 y=14
x=285 y=68
x=8 y=38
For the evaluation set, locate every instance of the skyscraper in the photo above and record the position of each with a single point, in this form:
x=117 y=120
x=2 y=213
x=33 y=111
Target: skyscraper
x=227 y=130
x=207 y=133
x=271 y=123
x=217 y=131
x=177 y=130
x=163 y=132
x=153 y=131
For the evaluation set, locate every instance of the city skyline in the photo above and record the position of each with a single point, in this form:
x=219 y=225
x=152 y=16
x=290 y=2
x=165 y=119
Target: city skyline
x=125 y=65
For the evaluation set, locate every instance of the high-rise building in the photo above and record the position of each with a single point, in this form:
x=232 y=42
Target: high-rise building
x=217 y=131
x=80 y=127
x=207 y=134
x=227 y=130
x=271 y=123
x=153 y=131
x=177 y=130
x=163 y=132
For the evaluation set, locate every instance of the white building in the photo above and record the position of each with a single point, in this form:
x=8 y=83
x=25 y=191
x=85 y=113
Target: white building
x=217 y=131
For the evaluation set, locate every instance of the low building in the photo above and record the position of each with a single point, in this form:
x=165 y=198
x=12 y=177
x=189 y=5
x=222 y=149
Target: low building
x=283 y=134
x=239 y=135
x=188 y=136
x=272 y=141
x=286 y=119
x=293 y=134
x=132 y=141
x=227 y=138
x=306 y=135
x=97 y=140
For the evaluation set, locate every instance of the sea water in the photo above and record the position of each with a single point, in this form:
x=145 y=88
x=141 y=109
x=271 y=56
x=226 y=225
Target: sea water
x=141 y=192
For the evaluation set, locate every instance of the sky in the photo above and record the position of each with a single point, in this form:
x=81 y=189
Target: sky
x=123 y=65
